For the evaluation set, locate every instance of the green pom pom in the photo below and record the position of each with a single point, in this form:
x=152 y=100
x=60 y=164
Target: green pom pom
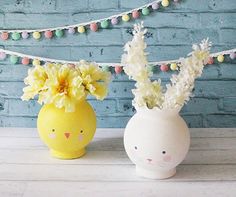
x=151 y=68
x=106 y=68
x=105 y=24
x=15 y=36
x=145 y=11
x=13 y=59
x=59 y=33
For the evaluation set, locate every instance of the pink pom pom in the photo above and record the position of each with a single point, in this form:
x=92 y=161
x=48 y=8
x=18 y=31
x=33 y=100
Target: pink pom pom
x=3 y=55
x=155 y=6
x=135 y=14
x=25 y=35
x=210 y=60
x=114 y=21
x=232 y=55
x=4 y=36
x=93 y=27
x=25 y=61
x=48 y=34
x=164 y=67
x=118 y=69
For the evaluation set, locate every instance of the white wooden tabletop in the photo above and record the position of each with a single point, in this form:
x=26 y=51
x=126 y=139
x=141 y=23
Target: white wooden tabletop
x=27 y=170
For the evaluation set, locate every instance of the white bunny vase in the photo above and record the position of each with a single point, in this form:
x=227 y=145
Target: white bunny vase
x=156 y=141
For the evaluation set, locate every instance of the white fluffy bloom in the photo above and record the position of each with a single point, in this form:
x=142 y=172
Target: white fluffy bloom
x=148 y=93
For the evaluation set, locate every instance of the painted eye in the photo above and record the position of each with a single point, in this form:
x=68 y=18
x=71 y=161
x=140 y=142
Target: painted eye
x=53 y=130
x=163 y=152
x=135 y=147
x=81 y=131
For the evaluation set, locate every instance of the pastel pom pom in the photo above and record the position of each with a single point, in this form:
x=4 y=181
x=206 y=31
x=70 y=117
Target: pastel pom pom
x=165 y=3
x=25 y=61
x=173 y=66
x=3 y=55
x=36 y=35
x=36 y=62
x=105 y=24
x=106 y=68
x=93 y=27
x=81 y=29
x=4 y=35
x=151 y=68
x=48 y=34
x=15 y=36
x=59 y=33
x=71 y=30
x=164 y=68
x=220 y=58
x=135 y=14
x=118 y=69
x=125 y=18
x=155 y=6
x=176 y=1
x=114 y=21
x=25 y=35
x=145 y=11
x=210 y=60
x=232 y=55
x=13 y=59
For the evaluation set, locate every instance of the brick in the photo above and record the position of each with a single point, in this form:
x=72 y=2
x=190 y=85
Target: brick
x=197 y=35
x=105 y=37
x=39 y=6
x=125 y=107
x=193 y=121
x=210 y=72
x=221 y=120
x=22 y=20
x=229 y=104
x=201 y=106
x=71 y=6
x=215 y=89
x=13 y=72
x=173 y=36
x=17 y=121
x=103 y=5
x=216 y=20
x=104 y=107
x=228 y=36
x=114 y=121
x=227 y=71
x=3 y=106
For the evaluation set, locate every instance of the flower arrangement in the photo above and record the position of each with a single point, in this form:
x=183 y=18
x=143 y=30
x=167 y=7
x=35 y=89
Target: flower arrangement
x=65 y=85
x=150 y=93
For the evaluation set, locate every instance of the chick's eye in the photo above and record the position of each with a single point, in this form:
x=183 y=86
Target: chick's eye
x=163 y=152
x=135 y=147
x=81 y=131
x=53 y=130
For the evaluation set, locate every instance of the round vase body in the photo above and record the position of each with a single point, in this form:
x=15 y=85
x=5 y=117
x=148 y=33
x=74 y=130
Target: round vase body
x=156 y=141
x=67 y=133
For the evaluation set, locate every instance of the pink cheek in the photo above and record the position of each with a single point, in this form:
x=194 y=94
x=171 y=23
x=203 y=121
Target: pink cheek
x=167 y=158
x=52 y=135
x=80 y=137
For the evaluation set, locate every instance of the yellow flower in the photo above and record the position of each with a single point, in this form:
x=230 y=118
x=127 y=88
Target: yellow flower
x=95 y=80
x=65 y=87
x=36 y=80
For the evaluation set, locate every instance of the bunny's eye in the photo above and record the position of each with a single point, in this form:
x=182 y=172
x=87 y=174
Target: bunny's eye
x=163 y=152
x=135 y=147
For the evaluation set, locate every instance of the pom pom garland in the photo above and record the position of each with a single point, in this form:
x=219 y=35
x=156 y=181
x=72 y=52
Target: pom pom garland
x=59 y=33
x=232 y=55
x=145 y=11
x=36 y=62
x=71 y=30
x=3 y=56
x=220 y=58
x=164 y=67
x=81 y=29
x=118 y=69
x=114 y=21
x=105 y=24
x=25 y=61
x=48 y=34
x=125 y=18
x=173 y=66
x=25 y=35
x=36 y=35
x=165 y=3
x=13 y=59
x=15 y=36
x=210 y=60
x=135 y=14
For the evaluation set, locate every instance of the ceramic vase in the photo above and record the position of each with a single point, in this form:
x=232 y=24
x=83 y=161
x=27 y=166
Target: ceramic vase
x=156 y=141
x=67 y=133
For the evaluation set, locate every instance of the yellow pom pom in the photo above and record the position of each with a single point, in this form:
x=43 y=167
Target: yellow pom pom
x=81 y=29
x=173 y=66
x=36 y=35
x=36 y=62
x=220 y=58
x=165 y=3
x=125 y=18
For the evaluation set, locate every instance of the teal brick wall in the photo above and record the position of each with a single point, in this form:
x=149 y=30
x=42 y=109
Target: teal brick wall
x=172 y=31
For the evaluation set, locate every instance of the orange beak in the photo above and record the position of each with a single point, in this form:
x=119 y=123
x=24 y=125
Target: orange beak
x=67 y=135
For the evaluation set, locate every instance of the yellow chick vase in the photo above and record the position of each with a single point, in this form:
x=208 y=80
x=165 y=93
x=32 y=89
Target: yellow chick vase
x=67 y=133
